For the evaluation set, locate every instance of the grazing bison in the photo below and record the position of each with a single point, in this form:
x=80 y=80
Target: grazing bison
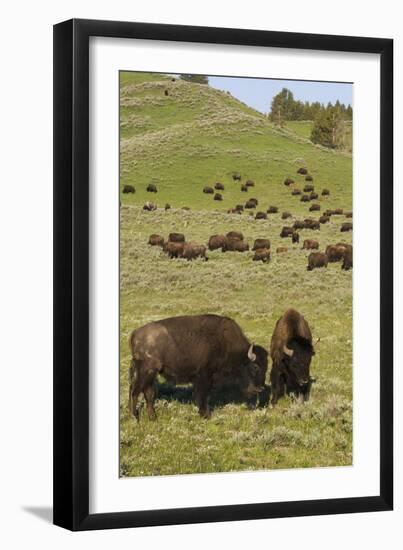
x=261 y=216
x=288 y=181
x=272 y=210
x=281 y=249
x=218 y=197
x=286 y=231
x=285 y=215
x=325 y=192
x=349 y=214
x=314 y=207
x=166 y=92
x=308 y=188
x=204 y=350
x=317 y=259
x=324 y=219
x=308 y=177
x=167 y=206
x=346 y=226
x=329 y=213
x=310 y=244
x=235 y=235
x=176 y=238
x=261 y=243
x=313 y=197
x=174 y=249
x=128 y=188
x=295 y=237
x=233 y=211
x=305 y=198
x=335 y=252
x=235 y=245
x=244 y=188
x=250 y=183
x=239 y=207
x=191 y=251
x=250 y=204
x=302 y=171
x=312 y=224
x=216 y=241
x=151 y=188
x=348 y=259
x=219 y=186
x=291 y=351
x=150 y=206
x=208 y=190
x=156 y=240
x=338 y=212
x=296 y=191
x=262 y=255
x=299 y=224
x=236 y=176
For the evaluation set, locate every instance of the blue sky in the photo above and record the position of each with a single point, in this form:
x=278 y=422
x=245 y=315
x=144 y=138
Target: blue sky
x=258 y=93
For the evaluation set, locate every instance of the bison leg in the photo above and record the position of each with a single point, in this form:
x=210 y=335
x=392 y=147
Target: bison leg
x=149 y=394
x=134 y=392
x=277 y=388
x=201 y=395
x=143 y=382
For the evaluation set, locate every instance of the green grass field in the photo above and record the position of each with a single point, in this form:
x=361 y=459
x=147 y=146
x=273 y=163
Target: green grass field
x=193 y=137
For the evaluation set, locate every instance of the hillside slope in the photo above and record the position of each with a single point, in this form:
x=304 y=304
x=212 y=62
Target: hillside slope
x=197 y=135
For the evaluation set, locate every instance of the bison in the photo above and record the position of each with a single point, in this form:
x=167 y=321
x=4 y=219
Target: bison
x=325 y=192
x=288 y=181
x=250 y=183
x=176 y=238
x=348 y=259
x=204 y=350
x=239 y=207
x=310 y=244
x=208 y=190
x=236 y=176
x=286 y=231
x=219 y=186
x=191 y=251
x=150 y=206
x=261 y=216
x=167 y=206
x=272 y=210
x=216 y=241
x=291 y=351
x=308 y=177
x=218 y=197
x=233 y=211
x=151 y=188
x=335 y=253
x=250 y=204
x=285 y=215
x=324 y=219
x=174 y=249
x=313 y=197
x=338 y=212
x=299 y=224
x=346 y=226
x=261 y=243
x=128 y=188
x=304 y=198
x=302 y=171
x=166 y=92
x=296 y=191
x=308 y=188
x=261 y=255
x=311 y=224
x=317 y=259
x=235 y=235
x=244 y=188
x=314 y=207
x=295 y=237
x=235 y=245
x=156 y=240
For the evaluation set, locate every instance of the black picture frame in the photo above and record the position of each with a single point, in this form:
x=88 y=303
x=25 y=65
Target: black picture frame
x=71 y=274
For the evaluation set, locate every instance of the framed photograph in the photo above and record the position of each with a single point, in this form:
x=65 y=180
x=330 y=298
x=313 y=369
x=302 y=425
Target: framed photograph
x=217 y=356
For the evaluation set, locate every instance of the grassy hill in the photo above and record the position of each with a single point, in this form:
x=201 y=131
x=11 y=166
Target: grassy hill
x=194 y=137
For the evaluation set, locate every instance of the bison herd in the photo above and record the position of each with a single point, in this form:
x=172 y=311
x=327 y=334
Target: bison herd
x=209 y=351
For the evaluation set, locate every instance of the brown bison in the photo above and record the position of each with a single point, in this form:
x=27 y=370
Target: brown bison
x=329 y=212
x=156 y=240
x=219 y=186
x=216 y=241
x=261 y=216
x=325 y=192
x=174 y=249
x=261 y=243
x=250 y=204
x=304 y=198
x=302 y=171
x=218 y=197
x=205 y=350
x=239 y=207
x=235 y=235
x=310 y=244
x=317 y=259
x=312 y=224
x=208 y=190
x=128 y=188
x=295 y=237
x=314 y=207
x=335 y=253
x=299 y=224
x=176 y=238
x=338 y=212
x=308 y=188
x=346 y=226
x=286 y=231
x=191 y=251
x=250 y=183
x=272 y=210
x=285 y=215
x=150 y=206
x=324 y=219
x=236 y=176
x=291 y=351
x=348 y=259
x=281 y=249
x=288 y=181
x=296 y=191
x=349 y=214
x=233 y=211
x=151 y=188
x=244 y=188
x=261 y=255
x=308 y=177
x=167 y=206
x=234 y=245
x=313 y=197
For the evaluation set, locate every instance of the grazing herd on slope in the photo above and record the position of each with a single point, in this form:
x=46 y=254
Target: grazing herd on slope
x=210 y=350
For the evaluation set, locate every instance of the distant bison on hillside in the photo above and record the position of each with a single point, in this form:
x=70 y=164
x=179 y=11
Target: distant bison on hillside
x=314 y=207
x=150 y=206
x=324 y=219
x=308 y=188
x=250 y=204
x=347 y=226
x=295 y=237
x=286 y=231
x=261 y=216
x=285 y=215
x=325 y=192
x=316 y=260
x=335 y=253
x=244 y=188
x=219 y=186
x=261 y=243
x=235 y=235
x=128 y=188
x=208 y=190
x=250 y=183
x=302 y=171
x=313 y=196
x=348 y=259
x=310 y=244
x=167 y=206
x=156 y=240
x=305 y=198
x=151 y=188
x=216 y=241
x=191 y=251
x=218 y=197
x=261 y=255
x=176 y=238
x=234 y=245
x=296 y=191
x=288 y=181
x=174 y=249
x=272 y=210
x=308 y=177
x=236 y=176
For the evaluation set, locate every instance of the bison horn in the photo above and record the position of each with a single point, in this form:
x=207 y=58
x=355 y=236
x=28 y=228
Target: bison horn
x=251 y=355
x=288 y=351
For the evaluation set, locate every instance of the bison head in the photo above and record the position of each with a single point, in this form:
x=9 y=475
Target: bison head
x=297 y=360
x=254 y=371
